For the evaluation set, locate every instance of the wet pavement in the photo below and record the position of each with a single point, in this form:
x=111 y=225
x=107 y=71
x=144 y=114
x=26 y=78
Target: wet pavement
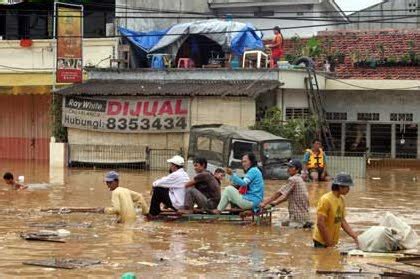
x=180 y=250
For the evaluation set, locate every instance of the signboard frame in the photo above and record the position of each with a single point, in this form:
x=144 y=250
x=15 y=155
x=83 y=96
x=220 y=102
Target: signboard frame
x=127 y=114
x=68 y=58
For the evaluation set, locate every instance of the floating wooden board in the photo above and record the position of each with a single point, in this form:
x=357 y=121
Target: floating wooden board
x=61 y=224
x=63 y=263
x=230 y=216
x=41 y=237
x=66 y=210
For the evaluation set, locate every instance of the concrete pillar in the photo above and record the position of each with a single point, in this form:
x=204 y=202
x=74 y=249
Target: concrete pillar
x=343 y=138
x=58 y=161
x=280 y=102
x=418 y=141
x=393 y=141
x=368 y=138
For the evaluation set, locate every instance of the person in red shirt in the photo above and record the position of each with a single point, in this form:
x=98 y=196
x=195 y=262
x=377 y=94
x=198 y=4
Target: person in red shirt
x=276 y=45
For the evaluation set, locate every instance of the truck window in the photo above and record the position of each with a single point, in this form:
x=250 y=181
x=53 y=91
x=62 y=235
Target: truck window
x=216 y=146
x=240 y=148
x=203 y=143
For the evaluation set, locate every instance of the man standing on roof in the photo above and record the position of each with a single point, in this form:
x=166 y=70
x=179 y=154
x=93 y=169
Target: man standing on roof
x=331 y=214
x=170 y=190
x=315 y=163
x=276 y=45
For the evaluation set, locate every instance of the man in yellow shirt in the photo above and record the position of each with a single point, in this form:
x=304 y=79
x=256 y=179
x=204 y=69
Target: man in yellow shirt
x=331 y=212
x=123 y=200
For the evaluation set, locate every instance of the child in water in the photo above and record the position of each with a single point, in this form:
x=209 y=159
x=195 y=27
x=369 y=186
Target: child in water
x=8 y=178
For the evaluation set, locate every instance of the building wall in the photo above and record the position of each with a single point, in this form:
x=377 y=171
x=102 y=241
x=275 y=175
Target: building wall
x=303 y=9
x=131 y=8
x=384 y=103
x=40 y=56
x=386 y=9
x=204 y=110
x=293 y=12
x=24 y=127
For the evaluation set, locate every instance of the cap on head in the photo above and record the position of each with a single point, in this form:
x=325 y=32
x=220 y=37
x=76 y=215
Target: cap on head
x=295 y=163
x=176 y=160
x=111 y=176
x=343 y=179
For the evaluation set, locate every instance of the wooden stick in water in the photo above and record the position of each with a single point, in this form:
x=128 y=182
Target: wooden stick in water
x=73 y=210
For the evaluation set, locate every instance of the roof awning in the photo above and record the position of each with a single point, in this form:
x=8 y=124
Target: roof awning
x=243 y=88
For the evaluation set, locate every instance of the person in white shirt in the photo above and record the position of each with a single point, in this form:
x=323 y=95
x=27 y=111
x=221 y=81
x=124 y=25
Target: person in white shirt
x=170 y=190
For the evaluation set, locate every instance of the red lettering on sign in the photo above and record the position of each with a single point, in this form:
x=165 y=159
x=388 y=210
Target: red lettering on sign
x=154 y=108
x=178 y=108
x=166 y=108
x=126 y=107
x=114 y=108
x=137 y=111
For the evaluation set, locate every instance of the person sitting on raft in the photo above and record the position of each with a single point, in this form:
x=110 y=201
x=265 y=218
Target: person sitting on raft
x=123 y=200
x=252 y=183
x=203 y=190
x=169 y=190
x=10 y=180
x=296 y=194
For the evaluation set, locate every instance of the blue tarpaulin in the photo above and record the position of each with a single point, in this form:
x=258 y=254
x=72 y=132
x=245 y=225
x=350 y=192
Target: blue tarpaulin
x=232 y=35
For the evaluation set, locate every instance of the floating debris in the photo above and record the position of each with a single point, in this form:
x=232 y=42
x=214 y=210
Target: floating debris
x=275 y=272
x=148 y=263
x=64 y=263
x=67 y=210
x=49 y=236
x=61 y=224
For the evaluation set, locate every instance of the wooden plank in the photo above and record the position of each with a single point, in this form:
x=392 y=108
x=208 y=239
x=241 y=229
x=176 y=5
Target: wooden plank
x=41 y=237
x=66 y=210
x=395 y=269
x=409 y=259
x=339 y=272
x=63 y=263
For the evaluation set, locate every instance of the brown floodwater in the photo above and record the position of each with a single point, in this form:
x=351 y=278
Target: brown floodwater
x=176 y=249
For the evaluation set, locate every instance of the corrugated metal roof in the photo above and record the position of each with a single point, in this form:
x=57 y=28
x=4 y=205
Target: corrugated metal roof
x=249 y=88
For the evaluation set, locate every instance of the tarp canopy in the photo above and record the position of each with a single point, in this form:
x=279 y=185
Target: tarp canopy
x=235 y=36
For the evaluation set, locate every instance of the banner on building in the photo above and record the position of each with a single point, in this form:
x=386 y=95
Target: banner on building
x=69 y=23
x=123 y=115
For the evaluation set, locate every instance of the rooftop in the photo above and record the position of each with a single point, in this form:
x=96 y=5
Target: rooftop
x=124 y=87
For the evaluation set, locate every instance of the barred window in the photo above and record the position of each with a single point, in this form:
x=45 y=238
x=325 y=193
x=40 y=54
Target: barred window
x=336 y=115
x=401 y=117
x=368 y=116
x=297 y=113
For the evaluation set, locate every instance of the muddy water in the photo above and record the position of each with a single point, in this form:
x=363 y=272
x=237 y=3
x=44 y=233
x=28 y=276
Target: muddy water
x=176 y=250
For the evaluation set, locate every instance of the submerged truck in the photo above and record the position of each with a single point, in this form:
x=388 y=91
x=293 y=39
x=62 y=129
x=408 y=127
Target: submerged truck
x=224 y=146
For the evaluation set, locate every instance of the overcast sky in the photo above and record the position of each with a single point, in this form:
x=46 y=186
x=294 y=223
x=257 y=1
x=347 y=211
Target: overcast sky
x=353 y=5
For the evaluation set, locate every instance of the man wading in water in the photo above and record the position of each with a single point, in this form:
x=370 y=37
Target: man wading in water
x=123 y=200
x=296 y=194
x=331 y=213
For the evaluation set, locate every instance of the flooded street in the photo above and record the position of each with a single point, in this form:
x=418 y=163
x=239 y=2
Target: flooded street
x=175 y=250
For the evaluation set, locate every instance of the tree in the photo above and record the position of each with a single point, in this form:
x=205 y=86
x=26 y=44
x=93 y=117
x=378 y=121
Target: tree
x=300 y=131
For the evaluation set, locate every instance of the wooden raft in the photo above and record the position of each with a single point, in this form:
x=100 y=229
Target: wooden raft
x=239 y=216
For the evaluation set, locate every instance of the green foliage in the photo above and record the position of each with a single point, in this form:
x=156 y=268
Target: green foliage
x=299 y=131
x=57 y=129
x=313 y=48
